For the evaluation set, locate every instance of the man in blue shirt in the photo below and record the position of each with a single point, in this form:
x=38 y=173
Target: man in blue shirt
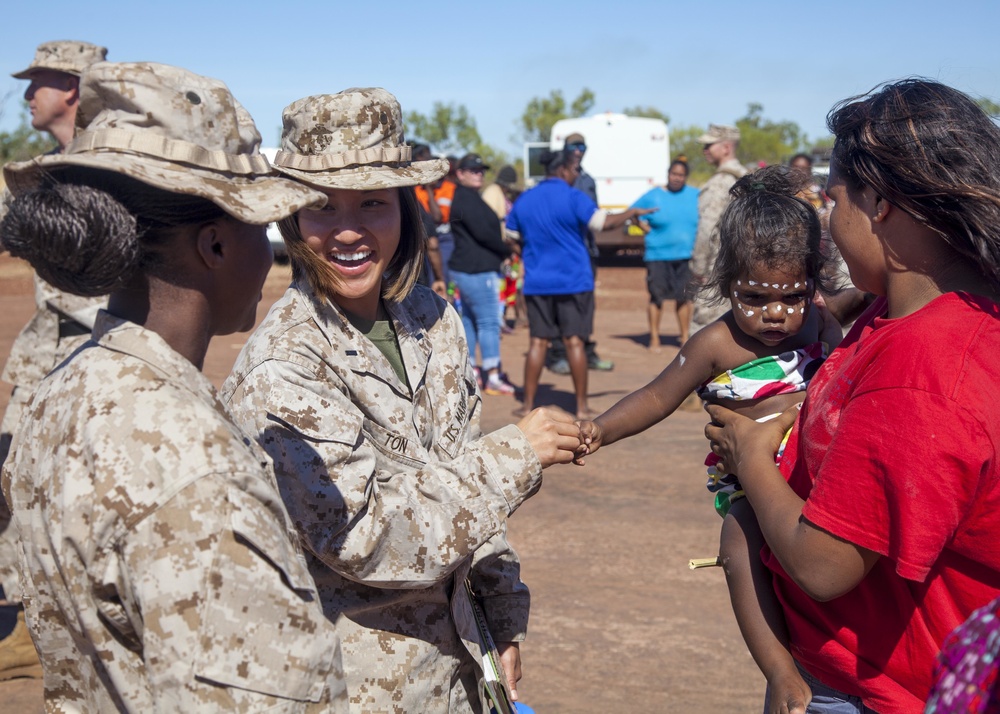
x=551 y=219
x=555 y=358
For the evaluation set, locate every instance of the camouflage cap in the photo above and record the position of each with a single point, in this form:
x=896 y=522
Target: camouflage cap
x=719 y=132
x=175 y=130
x=69 y=56
x=353 y=140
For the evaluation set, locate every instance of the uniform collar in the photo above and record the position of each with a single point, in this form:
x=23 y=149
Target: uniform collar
x=129 y=338
x=362 y=356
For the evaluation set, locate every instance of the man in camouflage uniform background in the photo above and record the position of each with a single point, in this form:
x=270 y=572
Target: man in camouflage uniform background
x=62 y=321
x=720 y=142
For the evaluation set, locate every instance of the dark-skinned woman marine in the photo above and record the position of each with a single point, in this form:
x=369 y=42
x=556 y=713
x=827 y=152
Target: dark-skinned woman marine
x=161 y=570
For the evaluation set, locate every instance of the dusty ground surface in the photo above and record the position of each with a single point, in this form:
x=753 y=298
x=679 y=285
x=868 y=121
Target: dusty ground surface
x=618 y=622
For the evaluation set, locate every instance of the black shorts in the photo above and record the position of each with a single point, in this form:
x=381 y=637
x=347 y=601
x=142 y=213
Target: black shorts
x=551 y=316
x=669 y=280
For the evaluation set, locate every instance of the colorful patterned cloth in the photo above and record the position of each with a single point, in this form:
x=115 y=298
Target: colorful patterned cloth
x=965 y=677
x=763 y=377
x=767 y=376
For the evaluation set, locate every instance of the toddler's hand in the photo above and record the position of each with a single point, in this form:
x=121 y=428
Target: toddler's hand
x=591 y=436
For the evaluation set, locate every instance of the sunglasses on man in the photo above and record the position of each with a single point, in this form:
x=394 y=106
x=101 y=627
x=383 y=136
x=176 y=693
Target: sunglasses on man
x=577 y=146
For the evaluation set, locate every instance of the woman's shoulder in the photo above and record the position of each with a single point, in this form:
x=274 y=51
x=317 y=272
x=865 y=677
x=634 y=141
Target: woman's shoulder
x=948 y=347
x=153 y=431
x=290 y=332
x=950 y=323
x=288 y=321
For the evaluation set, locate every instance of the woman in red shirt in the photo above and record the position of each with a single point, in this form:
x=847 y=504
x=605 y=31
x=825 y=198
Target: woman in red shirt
x=882 y=531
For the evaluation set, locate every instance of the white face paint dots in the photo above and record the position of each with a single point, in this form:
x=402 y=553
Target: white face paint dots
x=771 y=306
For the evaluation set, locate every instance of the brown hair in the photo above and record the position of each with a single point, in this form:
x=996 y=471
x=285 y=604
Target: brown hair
x=401 y=274
x=766 y=223
x=931 y=151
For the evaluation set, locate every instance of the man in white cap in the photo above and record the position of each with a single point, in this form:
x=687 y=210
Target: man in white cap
x=720 y=143
x=61 y=320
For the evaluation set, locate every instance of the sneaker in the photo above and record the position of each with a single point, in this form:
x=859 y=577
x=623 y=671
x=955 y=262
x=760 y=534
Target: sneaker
x=560 y=367
x=497 y=387
x=479 y=377
x=601 y=365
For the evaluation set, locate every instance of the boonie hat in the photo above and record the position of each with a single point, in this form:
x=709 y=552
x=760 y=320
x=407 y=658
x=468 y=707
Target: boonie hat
x=719 y=132
x=473 y=162
x=177 y=131
x=69 y=56
x=353 y=140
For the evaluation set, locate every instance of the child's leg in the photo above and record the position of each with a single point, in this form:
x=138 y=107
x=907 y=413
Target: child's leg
x=757 y=610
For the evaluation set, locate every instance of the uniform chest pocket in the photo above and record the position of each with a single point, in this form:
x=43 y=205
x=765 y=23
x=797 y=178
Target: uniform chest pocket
x=394 y=446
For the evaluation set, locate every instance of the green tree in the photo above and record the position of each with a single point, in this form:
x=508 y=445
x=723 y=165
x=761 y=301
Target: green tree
x=543 y=112
x=22 y=142
x=650 y=112
x=450 y=129
x=684 y=144
x=989 y=106
x=766 y=140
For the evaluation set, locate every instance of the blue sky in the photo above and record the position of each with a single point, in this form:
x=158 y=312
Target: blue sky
x=698 y=62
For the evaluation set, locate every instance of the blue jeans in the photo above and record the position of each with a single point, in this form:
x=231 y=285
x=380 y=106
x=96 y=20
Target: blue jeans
x=446 y=246
x=826 y=700
x=480 y=294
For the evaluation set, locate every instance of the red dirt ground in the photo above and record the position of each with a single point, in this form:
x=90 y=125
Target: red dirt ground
x=619 y=623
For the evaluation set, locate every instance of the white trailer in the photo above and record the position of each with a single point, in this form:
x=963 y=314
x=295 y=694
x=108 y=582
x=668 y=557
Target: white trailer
x=626 y=156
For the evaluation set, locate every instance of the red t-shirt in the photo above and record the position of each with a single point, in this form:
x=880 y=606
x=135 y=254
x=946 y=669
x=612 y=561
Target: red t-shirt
x=895 y=451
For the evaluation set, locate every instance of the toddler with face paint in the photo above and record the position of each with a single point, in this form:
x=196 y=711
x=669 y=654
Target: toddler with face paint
x=757 y=360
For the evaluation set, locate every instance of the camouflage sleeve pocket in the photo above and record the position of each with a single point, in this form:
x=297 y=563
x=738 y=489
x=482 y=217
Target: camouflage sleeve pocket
x=262 y=628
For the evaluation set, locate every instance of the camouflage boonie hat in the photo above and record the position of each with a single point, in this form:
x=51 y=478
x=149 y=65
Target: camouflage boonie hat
x=69 y=56
x=353 y=140
x=177 y=131
x=719 y=132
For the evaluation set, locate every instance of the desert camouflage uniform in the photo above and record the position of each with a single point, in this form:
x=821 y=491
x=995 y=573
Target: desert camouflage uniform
x=62 y=322
x=712 y=201
x=397 y=495
x=161 y=571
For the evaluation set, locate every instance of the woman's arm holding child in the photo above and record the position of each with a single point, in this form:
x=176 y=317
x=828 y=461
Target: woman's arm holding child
x=823 y=565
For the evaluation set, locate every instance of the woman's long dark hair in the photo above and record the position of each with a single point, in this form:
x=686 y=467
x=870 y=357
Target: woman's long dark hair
x=931 y=151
